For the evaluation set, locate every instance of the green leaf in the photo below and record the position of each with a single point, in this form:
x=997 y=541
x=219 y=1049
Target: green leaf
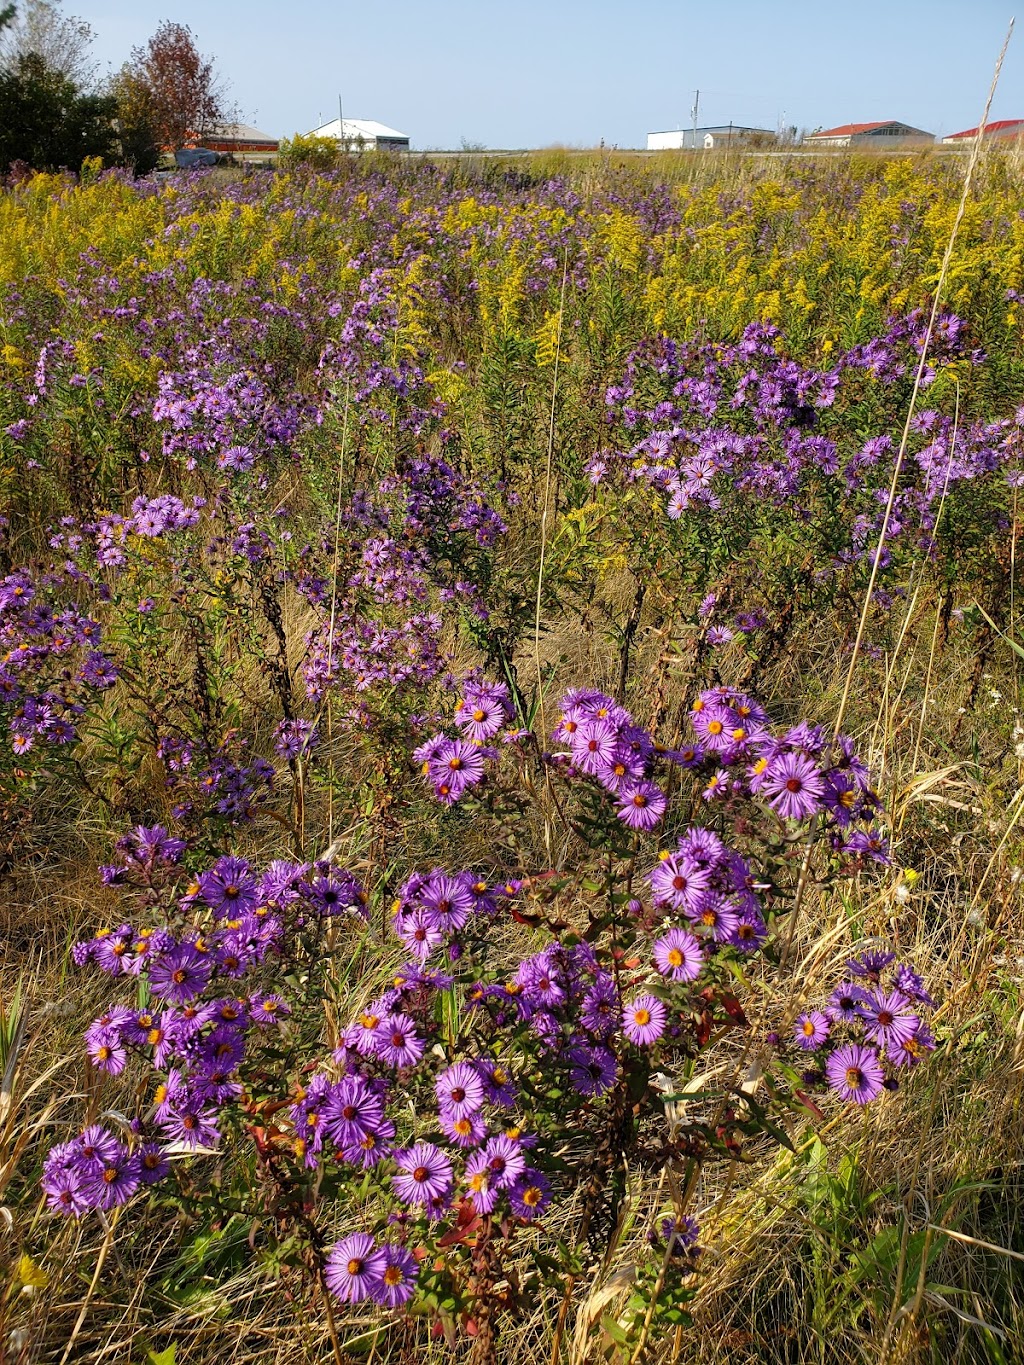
x=166 y=1357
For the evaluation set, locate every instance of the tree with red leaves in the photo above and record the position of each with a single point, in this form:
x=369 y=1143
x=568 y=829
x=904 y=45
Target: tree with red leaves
x=185 y=91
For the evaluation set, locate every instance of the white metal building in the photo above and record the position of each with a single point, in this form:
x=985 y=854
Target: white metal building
x=364 y=135
x=725 y=135
x=884 y=134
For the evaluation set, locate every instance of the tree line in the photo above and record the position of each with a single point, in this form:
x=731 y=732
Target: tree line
x=56 y=112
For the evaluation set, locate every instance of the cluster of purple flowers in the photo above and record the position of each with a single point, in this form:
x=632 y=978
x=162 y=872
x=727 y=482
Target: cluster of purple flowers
x=606 y=745
x=800 y=774
x=50 y=661
x=96 y=1170
x=220 y=781
x=868 y=1030
x=359 y=1268
x=453 y=765
x=295 y=739
x=433 y=908
x=710 y=888
x=377 y=628
x=191 y=1033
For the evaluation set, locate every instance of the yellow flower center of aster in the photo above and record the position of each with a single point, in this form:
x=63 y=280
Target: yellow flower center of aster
x=479 y=715
x=739 y=733
x=393 y=1275
x=155 y=1036
x=639 y=800
x=420 y=1174
x=715 y=727
x=847 y=799
x=642 y=1017
x=674 y=957
x=355 y=1266
x=109 y=1175
x=463 y=1127
x=808 y=1028
x=531 y=1196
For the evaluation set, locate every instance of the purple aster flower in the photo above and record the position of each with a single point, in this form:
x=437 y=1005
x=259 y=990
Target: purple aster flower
x=106 y=1051
x=498 y=1086
x=96 y=1147
x=871 y=964
x=228 y=888
x=530 y=1195
x=593 y=744
x=480 y=717
x=846 y=1003
x=355 y=1268
x=599 y=1009
x=811 y=1030
x=794 y=786
x=888 y=1018
x=505 y=1158
x=460 y=1091
x=641 y=804
x=467 y=1131
x=425 y=1174
x=458 y=763
x=678 y=1233
x=717 y=914
x=397 y=1283
x=678 y=955
x=643 y=1020
x=679 y=881
x=266 y=1010
x=911 y=985
x=115 y=1181
x=913 y=1050
x=352 y=1110
x=420 y=932
x=153 y=1163
x=398 y=1043
x=65 y=1190
x=481 y=1190
x=180 y=974
x=448 y=902
x=372 y=1147
x=855 y=1073
x=593 y=1070
x=191 y=1125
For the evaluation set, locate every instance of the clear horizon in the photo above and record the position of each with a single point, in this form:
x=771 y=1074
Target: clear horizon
x=574 y=74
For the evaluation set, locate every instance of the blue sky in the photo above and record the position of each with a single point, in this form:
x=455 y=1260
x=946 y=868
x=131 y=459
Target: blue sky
x=540 y=72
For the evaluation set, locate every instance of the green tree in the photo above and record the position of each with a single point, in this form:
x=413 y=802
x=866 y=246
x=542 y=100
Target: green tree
x=47 y=122
x=137 y=121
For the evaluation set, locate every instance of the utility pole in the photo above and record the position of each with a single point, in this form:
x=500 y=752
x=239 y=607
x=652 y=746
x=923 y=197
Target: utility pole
x=341 y=125
x=693 y=114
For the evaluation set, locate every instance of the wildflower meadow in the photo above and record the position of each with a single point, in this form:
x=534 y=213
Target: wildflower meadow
x=511 y=762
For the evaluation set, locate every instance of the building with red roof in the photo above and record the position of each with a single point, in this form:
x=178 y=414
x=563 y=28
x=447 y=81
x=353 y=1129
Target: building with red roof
x=997 y=131
x=885 y=134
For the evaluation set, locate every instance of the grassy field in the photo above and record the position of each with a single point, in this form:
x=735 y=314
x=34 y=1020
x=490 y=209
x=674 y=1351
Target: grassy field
x=336 y=509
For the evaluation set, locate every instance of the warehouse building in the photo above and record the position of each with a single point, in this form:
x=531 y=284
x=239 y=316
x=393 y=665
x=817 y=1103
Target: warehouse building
x=705 y=139
x=240 y=140
x=1002 y=130
x=884 y=134
x=364 y=135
